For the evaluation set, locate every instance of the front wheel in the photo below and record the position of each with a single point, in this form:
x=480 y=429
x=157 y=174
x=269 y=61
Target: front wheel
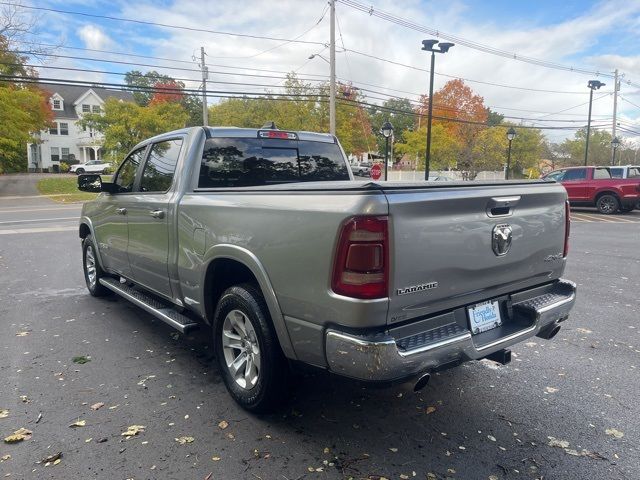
x=92 y=270
x=251 y=362
x=607 y=204
x=80 y=171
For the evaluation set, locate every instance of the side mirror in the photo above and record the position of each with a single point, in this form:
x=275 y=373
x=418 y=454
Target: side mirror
x=90 y=183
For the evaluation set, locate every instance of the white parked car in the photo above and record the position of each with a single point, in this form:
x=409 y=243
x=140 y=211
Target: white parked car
x=92 y=166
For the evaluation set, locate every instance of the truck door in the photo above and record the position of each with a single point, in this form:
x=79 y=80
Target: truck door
x=150 y=218
x=110 y=223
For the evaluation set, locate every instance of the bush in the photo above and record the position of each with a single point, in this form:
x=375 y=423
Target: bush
x=64 y=167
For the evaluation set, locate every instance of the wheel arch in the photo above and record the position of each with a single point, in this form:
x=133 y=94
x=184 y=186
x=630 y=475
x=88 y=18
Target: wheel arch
x=607 y=192
x=85 y=229
x=228 y=265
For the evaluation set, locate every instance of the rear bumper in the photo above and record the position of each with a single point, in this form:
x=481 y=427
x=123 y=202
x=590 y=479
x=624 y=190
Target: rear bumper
x=382 y=357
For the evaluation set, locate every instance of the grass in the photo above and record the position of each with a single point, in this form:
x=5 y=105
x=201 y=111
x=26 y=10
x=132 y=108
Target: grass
x=63 y=189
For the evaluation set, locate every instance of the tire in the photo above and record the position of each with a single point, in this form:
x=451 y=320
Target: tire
x=608 y=204
x=260 y=383
x=79 y=171
x=92 y=270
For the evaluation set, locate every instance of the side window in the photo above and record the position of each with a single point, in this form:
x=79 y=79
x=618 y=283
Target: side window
x=617 y=172
x=157 y=175
x=575 y=174
x=557 y=176
x=634 y=172
x=127 y=172
x=600 y=173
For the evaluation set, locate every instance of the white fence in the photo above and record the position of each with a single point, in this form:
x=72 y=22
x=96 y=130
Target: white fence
x=417 y=175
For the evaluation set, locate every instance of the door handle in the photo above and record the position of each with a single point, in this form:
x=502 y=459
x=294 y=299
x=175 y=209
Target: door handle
x=121 y=211
x=157 y=213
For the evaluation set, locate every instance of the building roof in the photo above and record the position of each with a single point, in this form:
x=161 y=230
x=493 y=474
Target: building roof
x=71 y=93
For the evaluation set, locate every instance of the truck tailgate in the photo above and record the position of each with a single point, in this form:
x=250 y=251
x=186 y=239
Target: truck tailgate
x=442 y=250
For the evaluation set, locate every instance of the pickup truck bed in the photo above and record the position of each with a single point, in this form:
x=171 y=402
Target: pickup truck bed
x=382 y=281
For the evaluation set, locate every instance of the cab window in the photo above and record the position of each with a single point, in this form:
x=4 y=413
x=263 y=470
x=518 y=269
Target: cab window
x=126 y=175
x=157 y=175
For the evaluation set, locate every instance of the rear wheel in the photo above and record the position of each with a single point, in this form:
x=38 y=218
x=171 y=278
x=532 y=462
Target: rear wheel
x=92 y=270
x=80 y=171
x=607 y=204
x=251 y=362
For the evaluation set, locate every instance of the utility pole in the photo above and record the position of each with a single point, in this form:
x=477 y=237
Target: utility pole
x=205 y=75
x=616 y=87
x=332 y=65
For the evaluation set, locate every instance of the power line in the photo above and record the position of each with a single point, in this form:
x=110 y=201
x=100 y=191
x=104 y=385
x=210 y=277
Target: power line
x=463 y=41
x=163 y=25
x=629 y=102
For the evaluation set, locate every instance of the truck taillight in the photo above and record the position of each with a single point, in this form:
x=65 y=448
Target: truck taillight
x=361 y=268
x=567 y=227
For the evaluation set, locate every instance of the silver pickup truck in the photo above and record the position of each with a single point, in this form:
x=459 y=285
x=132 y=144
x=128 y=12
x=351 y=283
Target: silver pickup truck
x=265 y=236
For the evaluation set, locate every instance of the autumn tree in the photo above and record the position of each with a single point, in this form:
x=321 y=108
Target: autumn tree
x=125 y=124
x=24 y=110
x=158 y=87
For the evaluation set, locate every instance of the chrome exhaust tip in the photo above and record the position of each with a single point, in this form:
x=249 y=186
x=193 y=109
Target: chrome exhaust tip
x=549 y=332
x=422 y=382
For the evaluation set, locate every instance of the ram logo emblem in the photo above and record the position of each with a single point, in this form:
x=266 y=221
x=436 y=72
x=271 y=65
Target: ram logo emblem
x=501 y=239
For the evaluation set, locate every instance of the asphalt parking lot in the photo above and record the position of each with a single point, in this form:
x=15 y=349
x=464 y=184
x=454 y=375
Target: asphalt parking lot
x=563 y=409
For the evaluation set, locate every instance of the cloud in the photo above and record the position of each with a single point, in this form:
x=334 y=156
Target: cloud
x=94 y=37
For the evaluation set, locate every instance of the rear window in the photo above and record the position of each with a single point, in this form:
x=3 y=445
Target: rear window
x=248 y=162
x=634 y=172
x=600 y=173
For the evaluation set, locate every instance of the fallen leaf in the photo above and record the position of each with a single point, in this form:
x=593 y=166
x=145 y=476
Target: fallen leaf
x=394 y=450
x=451 y=471
x=223 y=424
x=25 y=399
x=56 y=462
x=4 y=458
x=551 y=389
x=18 y=436
x=81 y=359
x=78 y=423
x=22 y=334
x=404 y=476
x=614 y=433
x=184 y=440
x=493 y=477
x=97 y=406
x=583 y=330
x=491 y=437
x=4 y=413
x=216 y=459
x=52 y=458
x=554 y=442
x=430 y=410
x=133 y=430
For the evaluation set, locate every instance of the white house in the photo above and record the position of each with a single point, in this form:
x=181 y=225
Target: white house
x=66 y=141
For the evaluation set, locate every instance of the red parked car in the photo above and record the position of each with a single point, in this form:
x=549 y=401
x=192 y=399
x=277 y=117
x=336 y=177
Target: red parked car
x=594 y=187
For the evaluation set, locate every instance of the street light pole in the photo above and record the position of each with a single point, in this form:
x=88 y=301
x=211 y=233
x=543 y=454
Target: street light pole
x=387 y=131
x=592 y=85
x=615 y=143
x=429 y=45
x=511 y=134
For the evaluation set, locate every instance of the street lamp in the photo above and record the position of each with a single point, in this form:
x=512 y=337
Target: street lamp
x=615 y=143
x=429 y=46
x=511 y=134
x=311 y=57
x=592 y=85
x=386 y=130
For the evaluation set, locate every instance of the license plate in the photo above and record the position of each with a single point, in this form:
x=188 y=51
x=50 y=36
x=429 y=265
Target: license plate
x=484 y=316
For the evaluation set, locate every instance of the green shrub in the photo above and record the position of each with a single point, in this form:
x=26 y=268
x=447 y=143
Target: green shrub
x=64 y=167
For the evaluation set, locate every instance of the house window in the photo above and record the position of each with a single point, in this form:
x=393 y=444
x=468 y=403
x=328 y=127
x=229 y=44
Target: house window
x=86 y=108
x=55 y=154
x=53 y=130
x=64 y=128
x=65 y=154
x=57 y=104
x=96 y=108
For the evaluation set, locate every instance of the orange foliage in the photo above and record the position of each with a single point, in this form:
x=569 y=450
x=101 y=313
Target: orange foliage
x=169 y=91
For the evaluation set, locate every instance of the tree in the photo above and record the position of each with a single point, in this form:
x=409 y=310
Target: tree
x=527 y=150
x=144 y=93
x=599 y=147
x=401 y=121
x=24 y=111
x=489 y=151
x=494 y=118
x=125 y=124
x=444 y=147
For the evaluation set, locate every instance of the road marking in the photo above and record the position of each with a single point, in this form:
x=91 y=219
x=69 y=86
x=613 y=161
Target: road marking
x=23 y=209
x=576 y=218
x=605 y=219
x=58 y=228
x=39 y=220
